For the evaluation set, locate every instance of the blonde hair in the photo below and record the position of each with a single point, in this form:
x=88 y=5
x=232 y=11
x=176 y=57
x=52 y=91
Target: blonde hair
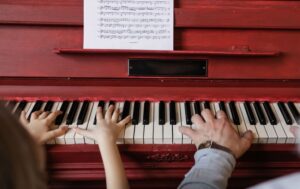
x=20 y=156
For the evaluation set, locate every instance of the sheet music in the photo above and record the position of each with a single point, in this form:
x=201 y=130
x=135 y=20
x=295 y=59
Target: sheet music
x=128 y=24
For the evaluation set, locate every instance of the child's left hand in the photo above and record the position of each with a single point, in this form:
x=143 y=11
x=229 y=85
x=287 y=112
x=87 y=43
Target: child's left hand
x=40 y=126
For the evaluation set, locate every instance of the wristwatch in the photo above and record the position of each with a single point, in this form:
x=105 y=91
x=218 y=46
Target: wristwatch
x=214 y=145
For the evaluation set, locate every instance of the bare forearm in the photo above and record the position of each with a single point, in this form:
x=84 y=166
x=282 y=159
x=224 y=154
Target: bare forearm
x=114 y=169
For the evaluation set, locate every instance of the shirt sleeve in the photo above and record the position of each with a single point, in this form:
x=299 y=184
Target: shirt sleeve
x=212 y=169
x=286 y=182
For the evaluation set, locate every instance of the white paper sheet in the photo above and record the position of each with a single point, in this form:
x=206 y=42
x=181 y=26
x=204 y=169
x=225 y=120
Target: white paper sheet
x=128 y=24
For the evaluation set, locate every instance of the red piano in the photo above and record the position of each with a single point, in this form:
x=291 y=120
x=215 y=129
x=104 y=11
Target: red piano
x=242 y=56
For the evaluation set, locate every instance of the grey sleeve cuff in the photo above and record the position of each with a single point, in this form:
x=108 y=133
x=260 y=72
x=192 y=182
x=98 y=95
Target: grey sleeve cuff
x=212 y=169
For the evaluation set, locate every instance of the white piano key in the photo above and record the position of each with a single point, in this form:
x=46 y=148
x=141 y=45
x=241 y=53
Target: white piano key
x=139 y=128
x=28 y=109
x=290 y=136
x=157 y=129
x=167 y=127
x=78 y=139
x=282 y=137
x=129 y=130
x=148 y=129
x=242 y=126
x=120 y=139
x=120 y=106
x=177 y=135
x=91 y=124
x=217 y=107
x=247 y=123
x=54 y=108
x=261 y=130
x=213 y=110
x=193 y=126
x=61 y=139
x=272 y=136
x=297 y=140
x=193 y=113
x=15 y=108
x=69 y=136
x=185 y=139
x=43 y=105
x=297 y=104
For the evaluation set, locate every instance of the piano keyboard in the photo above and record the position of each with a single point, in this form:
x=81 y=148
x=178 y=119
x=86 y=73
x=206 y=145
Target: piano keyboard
x=158 y=122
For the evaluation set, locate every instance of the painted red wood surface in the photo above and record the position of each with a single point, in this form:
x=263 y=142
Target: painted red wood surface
x=152 y=93
x=234 y=51
x=20 y=43
x=29 y=69
x=162 y=166
x=188 y=13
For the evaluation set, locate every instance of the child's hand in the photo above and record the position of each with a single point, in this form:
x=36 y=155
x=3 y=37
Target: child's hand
x=40 y=126
x=108 y=128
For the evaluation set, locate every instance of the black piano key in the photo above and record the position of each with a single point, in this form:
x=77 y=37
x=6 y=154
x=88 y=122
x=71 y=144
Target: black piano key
x=172 y=108
x=234 y=114
x=249 y=113
x=11 y=105
x=64 y=107
x=20 y=108
x=162 y=113
x=111 y=103
x=188 y=114
x=49 y=106
x=197 y=107
x=294 y=112
x=136 y=113
x=223 y=107
x=126 y=110
x=37 y=106
x=286 y=116
x=270 y=113
x=82 y=113
x=259 y=113
x=100 y=104
x=146 y=114
x=72 y=112
x=206 y=105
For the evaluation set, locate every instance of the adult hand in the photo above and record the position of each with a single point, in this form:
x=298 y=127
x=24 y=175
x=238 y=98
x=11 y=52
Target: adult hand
x=218 y=130
x=109 y=126
x=41 y=126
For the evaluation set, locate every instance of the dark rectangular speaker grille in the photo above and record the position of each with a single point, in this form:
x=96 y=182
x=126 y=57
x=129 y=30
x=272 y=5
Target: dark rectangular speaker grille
x=168 y=67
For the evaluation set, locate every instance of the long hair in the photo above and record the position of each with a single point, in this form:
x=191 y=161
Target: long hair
x=21 y=159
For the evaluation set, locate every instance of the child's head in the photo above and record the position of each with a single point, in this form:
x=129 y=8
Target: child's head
x=21 y=159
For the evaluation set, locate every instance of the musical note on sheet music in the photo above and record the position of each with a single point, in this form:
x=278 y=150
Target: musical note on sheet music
x=128 y=24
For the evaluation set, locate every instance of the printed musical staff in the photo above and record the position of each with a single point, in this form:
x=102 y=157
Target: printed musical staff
x=129 y=24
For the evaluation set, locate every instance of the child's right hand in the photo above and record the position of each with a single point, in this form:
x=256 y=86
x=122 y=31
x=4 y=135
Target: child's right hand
x=108 y=128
